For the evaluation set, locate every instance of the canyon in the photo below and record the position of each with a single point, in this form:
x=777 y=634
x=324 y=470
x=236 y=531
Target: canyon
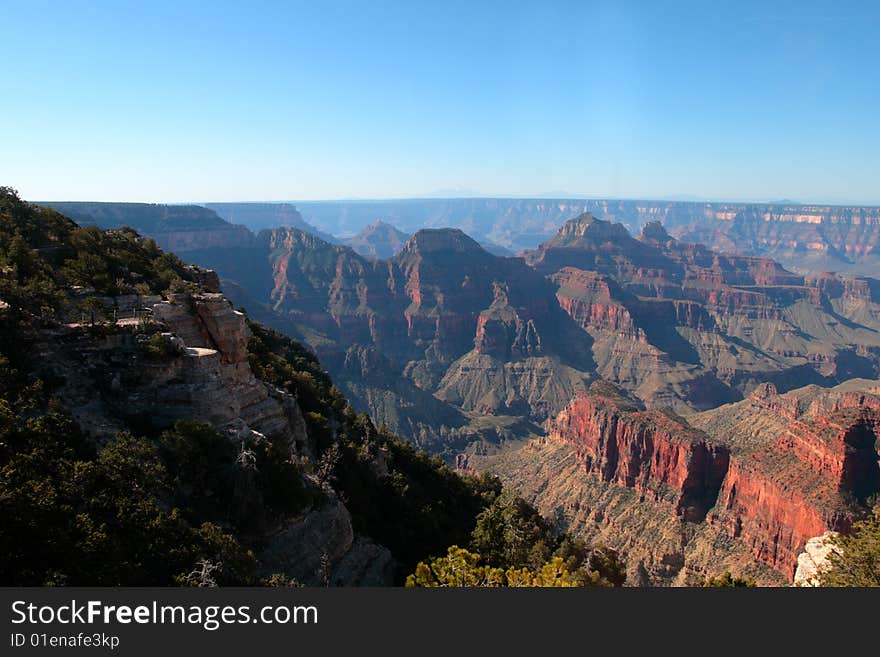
x=809 y=239
x=645 y=392
x=458 y=349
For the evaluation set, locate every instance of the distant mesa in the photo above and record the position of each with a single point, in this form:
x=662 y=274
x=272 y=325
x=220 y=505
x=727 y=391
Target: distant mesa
x=263 y=216
x=442 y=240
x=178 y=228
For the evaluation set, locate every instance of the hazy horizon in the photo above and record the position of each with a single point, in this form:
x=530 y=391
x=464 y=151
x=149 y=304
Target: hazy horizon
x=674 y=198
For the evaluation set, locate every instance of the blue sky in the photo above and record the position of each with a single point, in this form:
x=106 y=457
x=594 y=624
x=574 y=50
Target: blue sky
x=178 y=101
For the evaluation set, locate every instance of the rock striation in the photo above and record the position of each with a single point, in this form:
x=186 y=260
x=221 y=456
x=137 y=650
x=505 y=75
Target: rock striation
x=649 y=451
x=749 y=484
x=798 y=468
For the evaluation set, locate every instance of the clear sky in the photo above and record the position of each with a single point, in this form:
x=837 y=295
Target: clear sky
x=177 y=101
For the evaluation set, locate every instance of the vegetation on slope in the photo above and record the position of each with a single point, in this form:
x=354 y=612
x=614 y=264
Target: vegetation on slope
x=413 y=504
x=855 y=561
x=43 y=254
x=512 y=545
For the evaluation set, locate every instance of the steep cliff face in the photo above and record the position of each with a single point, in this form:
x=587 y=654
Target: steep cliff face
x=768 y=473
x=801 y=464
x=596 y=302
x=211 y=380
x=807 y=238
x=646 y=450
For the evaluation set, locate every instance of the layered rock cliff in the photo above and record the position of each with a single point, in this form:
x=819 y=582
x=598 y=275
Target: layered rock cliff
x=807 y=238
x=768 y=473
x=649 y=451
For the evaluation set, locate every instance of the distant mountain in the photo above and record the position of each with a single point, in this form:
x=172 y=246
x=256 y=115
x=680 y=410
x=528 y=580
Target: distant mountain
x=382 y=240
x=809 y=238
x=377 y=240
x=260 y=216
x=178 y=228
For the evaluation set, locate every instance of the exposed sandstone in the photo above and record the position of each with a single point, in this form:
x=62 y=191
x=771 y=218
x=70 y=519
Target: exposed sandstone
x=646 y=450
x=770 y=472
x=813 y=560
x=801 y=464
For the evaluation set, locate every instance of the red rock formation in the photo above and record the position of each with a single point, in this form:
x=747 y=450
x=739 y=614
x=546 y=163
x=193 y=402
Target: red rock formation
x=774 y=521
x=595 y=302
x=773 y=495
x=779 y=496
x=646 y=450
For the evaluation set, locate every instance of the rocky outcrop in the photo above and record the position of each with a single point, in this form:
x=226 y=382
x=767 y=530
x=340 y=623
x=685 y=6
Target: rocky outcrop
x=320 y=548
x=649 y=451
x=596 y=302
x=506 y=332
x=771 y=472
x=814 y=559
